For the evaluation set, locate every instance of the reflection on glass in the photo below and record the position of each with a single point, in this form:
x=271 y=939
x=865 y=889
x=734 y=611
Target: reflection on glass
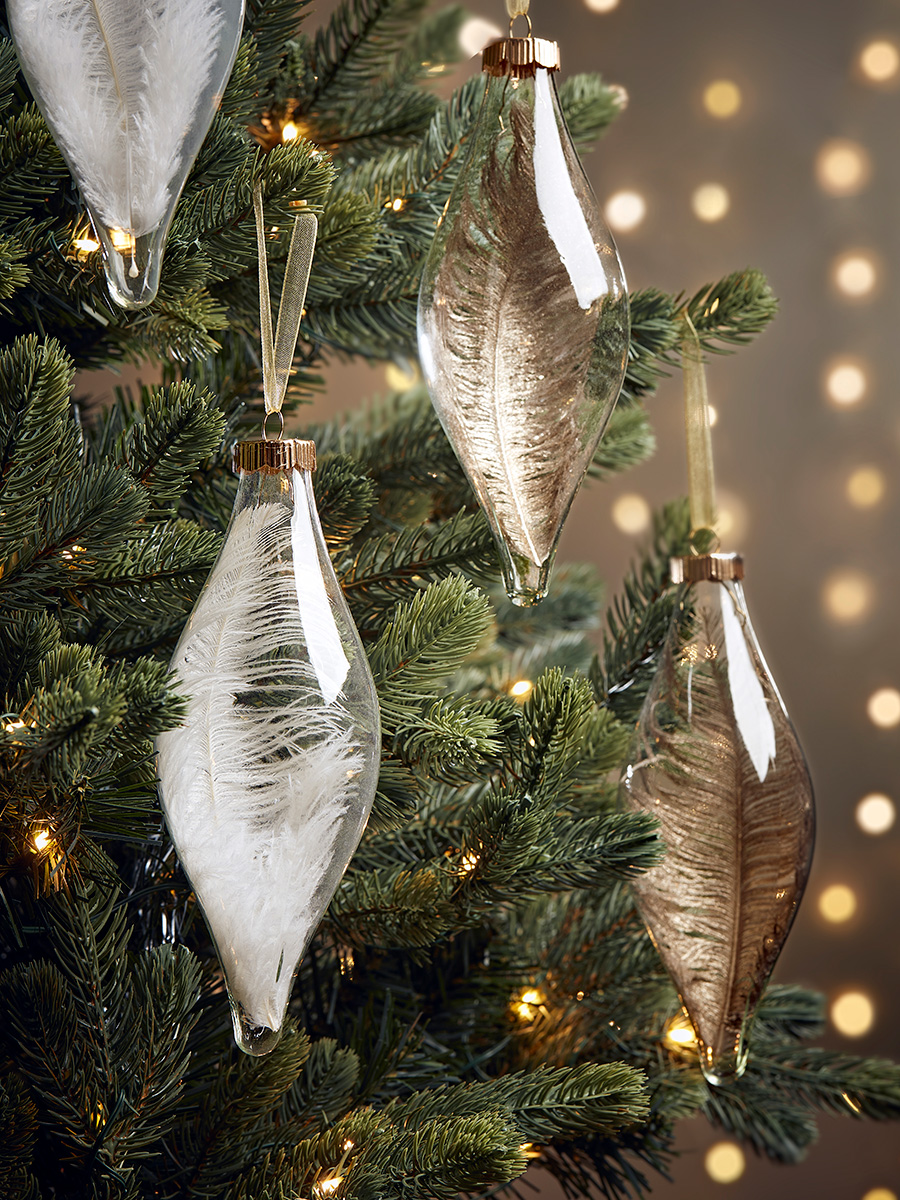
x=716 y=761
x=268 y=784
x=523 y=323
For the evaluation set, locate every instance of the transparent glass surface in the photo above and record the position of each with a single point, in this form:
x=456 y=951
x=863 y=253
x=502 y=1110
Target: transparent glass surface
x=267 y=786
x=523 y=324
x=715 y=759
x=128 y=90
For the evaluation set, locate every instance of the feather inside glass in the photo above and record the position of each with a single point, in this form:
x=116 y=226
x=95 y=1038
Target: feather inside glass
x=716 y=760
x=128 y=89
x=267 y=786
x=523 y=323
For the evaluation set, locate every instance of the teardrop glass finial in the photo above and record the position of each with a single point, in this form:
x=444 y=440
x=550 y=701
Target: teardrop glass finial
x=128 y=90
x=523 y=315
x=268 y=784
x=715 y=759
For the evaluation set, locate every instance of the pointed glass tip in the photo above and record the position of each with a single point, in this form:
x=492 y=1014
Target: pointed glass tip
x=724 y=1066
x=132 y=264
x=251 y=1037
x=526 y=582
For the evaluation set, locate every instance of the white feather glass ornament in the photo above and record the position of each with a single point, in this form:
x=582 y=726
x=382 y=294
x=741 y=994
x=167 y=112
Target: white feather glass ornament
x=129 y=89
x=267 y=786
x=523 y=314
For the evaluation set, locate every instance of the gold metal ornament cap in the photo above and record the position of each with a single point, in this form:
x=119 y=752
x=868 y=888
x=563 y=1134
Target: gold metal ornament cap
x=695 y=568
x=519 y=56
x=274 y=456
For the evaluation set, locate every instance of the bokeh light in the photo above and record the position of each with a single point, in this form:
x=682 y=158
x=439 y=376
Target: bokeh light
x=875 y=813
x=880 y=1193
x=837 y=903
x=855 y=274
x=843 y=168
x=724 y=1162
x=845 y=382
x=847 y=595
x=631 y=513
x=722 y=98
x=865 y=487
x=713 y=415
x=625 y=210
x=601 y=6
x=853 y=1014
x=883 y=708
x=710 y=202
x=879 y=61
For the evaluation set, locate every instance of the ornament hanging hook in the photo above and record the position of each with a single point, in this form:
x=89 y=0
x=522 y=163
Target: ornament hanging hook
x=278 y=351
x=518 y=8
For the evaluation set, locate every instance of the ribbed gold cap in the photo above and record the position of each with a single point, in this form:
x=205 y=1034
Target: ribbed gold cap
x=519 y=56
x=694 y=568
x=274 y=456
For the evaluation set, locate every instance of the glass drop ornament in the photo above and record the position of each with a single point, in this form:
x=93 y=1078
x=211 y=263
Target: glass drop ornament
x=715 y=759
x=128 y=89
x=267 y=786
x=523 y=314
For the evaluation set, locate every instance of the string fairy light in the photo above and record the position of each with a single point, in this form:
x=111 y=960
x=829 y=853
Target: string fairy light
x=521 y=689
x=879 y=61
x=843 y=167
x=724 y=1162
x=853 y=1014
x=722 y=99
x=528 y=1004
x=846 y=381
x=710 y=202
x=848 y=596
x=625 y=210
x=41 y=839
x=837 y=903
x=875 y=813
x=854 y=274
x=883 y=708
x=865 y=487
x=678 y=1032
x=631 y=513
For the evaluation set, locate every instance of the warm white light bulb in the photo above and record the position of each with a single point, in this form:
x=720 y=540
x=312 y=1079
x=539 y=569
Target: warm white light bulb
x=710 y=202
x=855 y=274
x=875 y=813
x=631 y=513
x=853 y=1014
x=724 y=1162
x=843 y=167
x=837 y=903
x=845 y=382
x=722 y=98
x=883 y=708
x=625 y=210
x=880 y=61
x=865 y=487
x=847 y=595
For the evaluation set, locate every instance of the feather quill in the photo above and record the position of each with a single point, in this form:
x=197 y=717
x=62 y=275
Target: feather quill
x=717 y=762
x=261 y=785
x=119 y=83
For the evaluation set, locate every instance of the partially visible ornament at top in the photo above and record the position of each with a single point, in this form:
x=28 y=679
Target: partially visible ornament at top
x=523 y=313
x=128 y=89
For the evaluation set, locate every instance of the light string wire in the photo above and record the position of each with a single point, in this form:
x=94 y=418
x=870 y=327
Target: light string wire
x=278 y=352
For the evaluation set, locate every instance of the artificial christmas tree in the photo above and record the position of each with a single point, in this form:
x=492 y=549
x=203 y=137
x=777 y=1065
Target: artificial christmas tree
x=481 y=993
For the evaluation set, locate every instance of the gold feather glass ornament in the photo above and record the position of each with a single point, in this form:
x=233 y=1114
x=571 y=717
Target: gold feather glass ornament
x=267 y=786
x=716 y=760
x=128 y=89
x=523 y=314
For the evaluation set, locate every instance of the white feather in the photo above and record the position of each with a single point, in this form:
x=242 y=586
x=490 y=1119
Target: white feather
x=261 y=784
x=119 y=83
